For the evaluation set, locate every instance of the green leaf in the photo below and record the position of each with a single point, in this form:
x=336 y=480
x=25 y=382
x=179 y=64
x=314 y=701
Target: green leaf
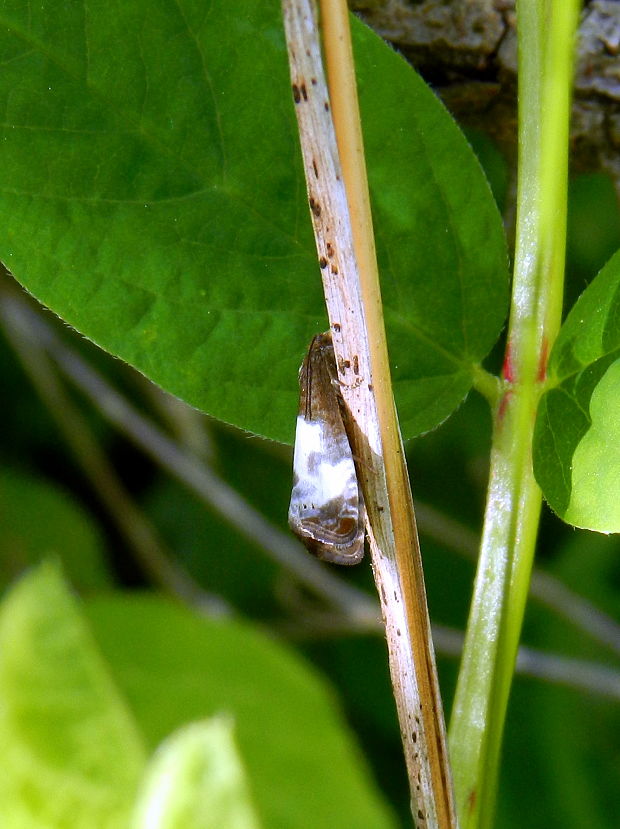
x=153 y=197
x=174 y=666
x=196 y=781
x=71 y=754
x=577 y=435
x=66 y=531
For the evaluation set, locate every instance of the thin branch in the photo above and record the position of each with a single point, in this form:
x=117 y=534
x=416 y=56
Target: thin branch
x=544 y=587
x=580 y=675
x=576 y=610
x=573 y=673
x=187 y=425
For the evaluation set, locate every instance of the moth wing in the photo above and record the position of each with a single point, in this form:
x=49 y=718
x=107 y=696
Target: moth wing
x=327 y=509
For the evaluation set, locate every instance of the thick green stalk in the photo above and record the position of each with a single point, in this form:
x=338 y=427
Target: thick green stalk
x=546 y=36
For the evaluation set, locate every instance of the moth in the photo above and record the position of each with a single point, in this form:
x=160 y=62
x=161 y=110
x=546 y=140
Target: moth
x=327 y=510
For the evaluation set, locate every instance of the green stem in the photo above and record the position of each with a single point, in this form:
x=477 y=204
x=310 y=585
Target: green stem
x=546 y=36
x=487 y=384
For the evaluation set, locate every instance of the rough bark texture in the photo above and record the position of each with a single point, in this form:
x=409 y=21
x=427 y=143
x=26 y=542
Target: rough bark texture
x=467 y=50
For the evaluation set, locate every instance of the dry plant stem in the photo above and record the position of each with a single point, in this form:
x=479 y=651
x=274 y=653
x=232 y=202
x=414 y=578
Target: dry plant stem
x=340 y=213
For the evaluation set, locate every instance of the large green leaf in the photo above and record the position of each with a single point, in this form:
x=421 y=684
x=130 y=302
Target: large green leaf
x=73 y=748
x=152 y=196
x=173 y=666
x=71 y=752
x=577 y=437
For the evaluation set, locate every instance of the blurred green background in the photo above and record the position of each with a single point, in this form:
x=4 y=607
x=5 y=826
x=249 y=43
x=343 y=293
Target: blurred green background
x=561 y=763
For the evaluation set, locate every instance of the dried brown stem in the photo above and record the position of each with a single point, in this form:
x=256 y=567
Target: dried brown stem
x=339 y=206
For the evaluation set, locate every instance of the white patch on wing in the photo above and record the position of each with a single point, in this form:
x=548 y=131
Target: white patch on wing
x=322 y=464
x=309 y=437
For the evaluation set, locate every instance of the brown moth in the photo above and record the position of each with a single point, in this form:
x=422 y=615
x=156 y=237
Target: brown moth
x=327 y=509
